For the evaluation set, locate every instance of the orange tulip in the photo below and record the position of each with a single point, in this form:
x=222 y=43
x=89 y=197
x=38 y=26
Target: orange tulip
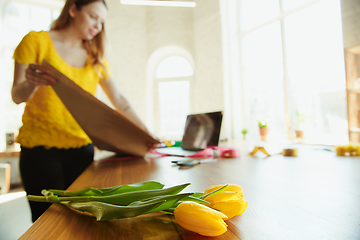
x=200 y=218
x=230 y=202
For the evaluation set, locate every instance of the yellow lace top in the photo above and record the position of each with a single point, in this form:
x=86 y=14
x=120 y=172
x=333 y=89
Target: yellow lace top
x=46 y=121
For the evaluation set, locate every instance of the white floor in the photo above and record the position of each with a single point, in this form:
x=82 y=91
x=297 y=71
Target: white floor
x=15 y=216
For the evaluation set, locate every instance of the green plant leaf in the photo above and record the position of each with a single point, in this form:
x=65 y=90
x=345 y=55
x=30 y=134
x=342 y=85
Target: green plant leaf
x=149 y=185
x=214 y=192
x=169 y=201
x=106 y=212
x=122 y=198
x=262 y=123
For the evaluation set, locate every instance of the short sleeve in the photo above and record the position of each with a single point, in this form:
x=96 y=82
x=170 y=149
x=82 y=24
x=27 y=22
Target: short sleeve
x=26 y=51
x=105 y=70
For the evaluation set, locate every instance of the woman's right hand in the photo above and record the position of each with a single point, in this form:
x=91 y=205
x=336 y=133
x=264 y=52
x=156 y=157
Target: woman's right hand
x=38 y=75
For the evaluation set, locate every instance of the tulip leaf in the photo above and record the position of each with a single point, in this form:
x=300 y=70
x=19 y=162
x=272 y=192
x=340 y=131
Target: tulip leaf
x=195 y=199
x=187 y=199
x=214 y=192
x=169 y=211
x=106 y=212
x=198 y=194
x=49 y=198
x=149 y=185
x=122 y=198
x=169 y=201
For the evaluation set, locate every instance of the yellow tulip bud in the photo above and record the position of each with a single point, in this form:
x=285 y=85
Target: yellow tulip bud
x=230 y=202
x=230 y=187
x=340 y=150
x=200 y=218
x=358 y=150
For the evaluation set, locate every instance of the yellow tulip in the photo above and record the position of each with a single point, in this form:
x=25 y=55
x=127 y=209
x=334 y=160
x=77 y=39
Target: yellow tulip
x=230 y=202
x=357 y=150
x=230 y=187
x=200 y=218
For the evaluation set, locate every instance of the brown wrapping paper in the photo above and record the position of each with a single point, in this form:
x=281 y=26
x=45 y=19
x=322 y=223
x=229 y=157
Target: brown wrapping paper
x=108 y=129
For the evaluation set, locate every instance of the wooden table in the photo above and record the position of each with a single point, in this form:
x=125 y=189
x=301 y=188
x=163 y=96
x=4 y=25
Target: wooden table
x=313 y=196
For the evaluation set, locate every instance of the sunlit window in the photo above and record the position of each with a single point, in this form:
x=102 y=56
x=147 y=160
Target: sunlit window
x=174 y=105
x=42 y=23
x=174 y=66
x=291 y=4
x=315 y=69
x=18 y=19
x=292 y=64
x=263 y=74
x=173 y=79
x=255 y=12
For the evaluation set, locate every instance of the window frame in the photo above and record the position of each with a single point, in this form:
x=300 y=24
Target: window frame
x=157 y=101
x=281 y=19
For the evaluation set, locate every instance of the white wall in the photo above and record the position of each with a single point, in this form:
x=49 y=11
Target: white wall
x=350 y=11
x=136 y=32
x=208 y=91
x=126 y=32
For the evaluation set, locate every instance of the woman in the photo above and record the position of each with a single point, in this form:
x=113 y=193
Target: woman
x=54 y=149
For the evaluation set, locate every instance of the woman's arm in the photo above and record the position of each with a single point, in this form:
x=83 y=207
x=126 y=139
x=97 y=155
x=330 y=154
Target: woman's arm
x=27 y=80
x=120 y=102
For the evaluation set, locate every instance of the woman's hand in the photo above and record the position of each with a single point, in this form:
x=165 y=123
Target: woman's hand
x=153 y=146
x=27 y=79
x=38 y=75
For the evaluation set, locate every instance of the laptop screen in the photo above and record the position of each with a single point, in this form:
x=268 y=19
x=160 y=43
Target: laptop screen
x=202 y=130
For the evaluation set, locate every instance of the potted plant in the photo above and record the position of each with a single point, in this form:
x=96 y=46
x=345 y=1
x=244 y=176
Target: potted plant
x=263 y=126
x=244 y=132
x=301 y=119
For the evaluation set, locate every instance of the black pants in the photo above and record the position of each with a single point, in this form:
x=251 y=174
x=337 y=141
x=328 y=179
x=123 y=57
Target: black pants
x=51 y=169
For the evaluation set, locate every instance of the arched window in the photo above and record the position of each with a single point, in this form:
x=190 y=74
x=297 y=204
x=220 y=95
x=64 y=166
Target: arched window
x=172 y=96
x=174 y=66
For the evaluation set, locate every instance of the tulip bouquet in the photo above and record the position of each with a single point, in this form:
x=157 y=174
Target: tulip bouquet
x=203 y=213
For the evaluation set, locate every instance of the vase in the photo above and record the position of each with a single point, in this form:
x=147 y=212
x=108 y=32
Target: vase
x=263 y=133
x=299 y=133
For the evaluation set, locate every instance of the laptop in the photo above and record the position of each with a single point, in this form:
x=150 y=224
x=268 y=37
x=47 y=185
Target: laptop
x=201 y=131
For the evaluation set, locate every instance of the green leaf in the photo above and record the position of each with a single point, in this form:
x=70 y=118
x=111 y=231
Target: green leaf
x=169 y=211
x=214 y=192
x=169 y=201
x=198 y=194
x=149 y=185
x=43 y=198
x=195 y=199
x=262 y=123
x=107 y=212
x=122 y=198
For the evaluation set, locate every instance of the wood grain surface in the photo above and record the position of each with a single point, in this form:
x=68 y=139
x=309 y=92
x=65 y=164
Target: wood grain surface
x=315 y=195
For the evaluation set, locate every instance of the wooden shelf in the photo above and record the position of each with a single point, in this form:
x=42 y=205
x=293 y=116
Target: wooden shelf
x=355 y=91
x=10 y=154
x=355 y=130
x=353 y=50
x=353 y=95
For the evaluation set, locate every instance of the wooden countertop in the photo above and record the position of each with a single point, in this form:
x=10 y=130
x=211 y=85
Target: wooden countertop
x=313 y=196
